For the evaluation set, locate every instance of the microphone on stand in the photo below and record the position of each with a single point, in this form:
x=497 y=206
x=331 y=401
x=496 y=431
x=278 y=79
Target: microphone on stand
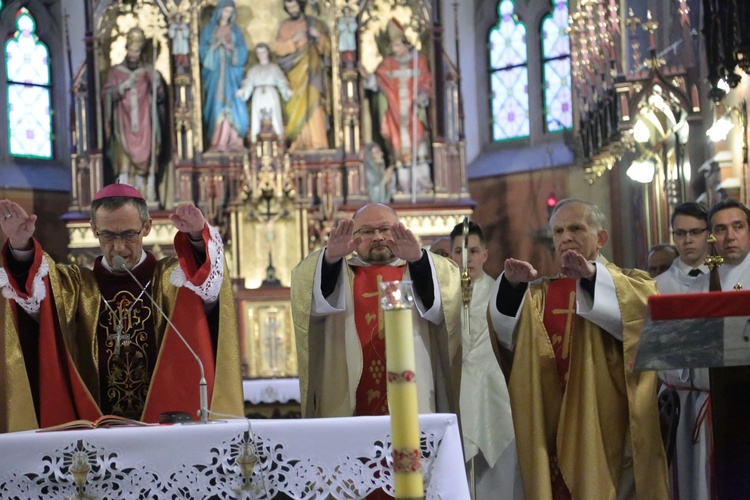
x=118 y=263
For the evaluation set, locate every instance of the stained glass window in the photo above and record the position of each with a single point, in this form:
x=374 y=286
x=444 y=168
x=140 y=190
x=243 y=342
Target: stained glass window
x=558 y=104
x=509 y=76
x=29 y=91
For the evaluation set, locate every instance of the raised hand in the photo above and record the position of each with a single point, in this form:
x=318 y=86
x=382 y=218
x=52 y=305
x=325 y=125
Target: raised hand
x=17 y=225
x=403 y=243
x=341 y=242
x=575 y=265
x=187 y=218
x=519 y=271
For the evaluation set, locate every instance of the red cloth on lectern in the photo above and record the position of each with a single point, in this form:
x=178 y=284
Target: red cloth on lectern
x=699 y=305
x=372 y=392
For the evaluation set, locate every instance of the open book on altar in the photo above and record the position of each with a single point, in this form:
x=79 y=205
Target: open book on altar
x=102 y=422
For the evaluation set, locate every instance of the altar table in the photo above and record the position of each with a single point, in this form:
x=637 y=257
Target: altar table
x=271 y=390
x=303 y=459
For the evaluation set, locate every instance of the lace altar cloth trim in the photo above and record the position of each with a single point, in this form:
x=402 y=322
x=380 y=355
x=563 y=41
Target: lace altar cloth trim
x=273 y=390
x=305 y=459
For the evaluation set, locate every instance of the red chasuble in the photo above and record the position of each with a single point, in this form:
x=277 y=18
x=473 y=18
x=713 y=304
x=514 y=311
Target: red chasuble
x=559 y=319
x=372 y=395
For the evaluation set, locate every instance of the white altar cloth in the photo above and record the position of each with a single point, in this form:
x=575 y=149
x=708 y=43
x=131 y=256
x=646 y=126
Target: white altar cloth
x=271 y=390
x=304 y=459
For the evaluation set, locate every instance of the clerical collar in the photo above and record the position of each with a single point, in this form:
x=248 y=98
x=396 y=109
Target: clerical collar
x=687 y=268
x=109 y=268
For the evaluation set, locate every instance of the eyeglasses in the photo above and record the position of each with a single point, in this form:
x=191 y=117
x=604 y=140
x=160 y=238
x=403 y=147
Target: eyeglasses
x=126 y=236
x=369 y=232
x=681 y=233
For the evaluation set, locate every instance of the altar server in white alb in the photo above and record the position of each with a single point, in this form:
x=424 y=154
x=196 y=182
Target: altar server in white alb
x=689 y=469
x=486 y=420
x=690 y=234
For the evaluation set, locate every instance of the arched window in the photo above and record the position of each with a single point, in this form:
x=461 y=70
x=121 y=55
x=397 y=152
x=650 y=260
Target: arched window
x=558 y=105
x=29 y=91
x=509 y=76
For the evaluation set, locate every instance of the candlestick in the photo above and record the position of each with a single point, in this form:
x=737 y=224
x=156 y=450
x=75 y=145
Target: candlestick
x=397 y=300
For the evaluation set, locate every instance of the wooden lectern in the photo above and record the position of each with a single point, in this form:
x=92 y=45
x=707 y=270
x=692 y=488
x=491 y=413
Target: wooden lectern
x=709 y=330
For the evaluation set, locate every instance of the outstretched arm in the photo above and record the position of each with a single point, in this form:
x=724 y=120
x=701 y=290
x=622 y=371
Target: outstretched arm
x=17 y=225
x=187 y=218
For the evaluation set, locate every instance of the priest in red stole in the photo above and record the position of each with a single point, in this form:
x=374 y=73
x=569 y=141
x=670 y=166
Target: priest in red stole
x=80 y=343
x=339 y=325
x=586 y=424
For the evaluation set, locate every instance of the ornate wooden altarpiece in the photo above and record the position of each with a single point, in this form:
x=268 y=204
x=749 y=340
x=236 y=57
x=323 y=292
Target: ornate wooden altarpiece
x=272 y=205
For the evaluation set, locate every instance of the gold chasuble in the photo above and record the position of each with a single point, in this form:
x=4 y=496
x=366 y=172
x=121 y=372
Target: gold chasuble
x=70 y=361
x=372 y=396
x=341 y=372
x=591 y=408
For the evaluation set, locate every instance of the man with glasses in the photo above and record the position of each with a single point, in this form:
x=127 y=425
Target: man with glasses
x=339 y=324
x=690 y=234
x=689 y=473
x=84 y=342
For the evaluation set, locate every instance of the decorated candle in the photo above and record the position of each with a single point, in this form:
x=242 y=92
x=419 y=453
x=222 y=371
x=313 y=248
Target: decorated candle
x=397 y=301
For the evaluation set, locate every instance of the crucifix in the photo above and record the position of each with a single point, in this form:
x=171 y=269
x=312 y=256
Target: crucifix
x=119 y=338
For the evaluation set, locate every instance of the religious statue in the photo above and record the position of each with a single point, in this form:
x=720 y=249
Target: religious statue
x=379 y=177
x=179 y=33
x=403 y=125
x=136 y=120
x=264 y=82
x=303 y=47
x=223 y=53
x=347 y=29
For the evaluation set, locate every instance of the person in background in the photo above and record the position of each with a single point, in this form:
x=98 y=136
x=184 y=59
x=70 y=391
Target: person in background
x=486 y=420
x=690 y=466
x=442 y=246
x=573 y=338
x=660 y=258
x=85 y=342
x=690 y=233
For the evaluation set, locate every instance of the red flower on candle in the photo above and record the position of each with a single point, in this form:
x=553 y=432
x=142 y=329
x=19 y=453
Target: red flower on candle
x=407 y=460
x=406 y=376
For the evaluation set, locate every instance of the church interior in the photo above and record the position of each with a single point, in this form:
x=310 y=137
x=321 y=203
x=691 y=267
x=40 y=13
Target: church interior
x=506 y=107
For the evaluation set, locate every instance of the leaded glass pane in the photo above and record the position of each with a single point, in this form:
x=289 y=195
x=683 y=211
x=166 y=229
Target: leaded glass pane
x=27 y=59
x=29 y=91
x=558 y=101
x=555 y=41
x=510 y=104
x=508 y=39
x=509 y=81
x=30 y=121
x=558 y=107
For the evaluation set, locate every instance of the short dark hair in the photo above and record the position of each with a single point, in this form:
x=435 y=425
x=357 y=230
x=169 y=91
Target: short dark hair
x=474 y=228
x=691 y=209
x=726 y=204
x=114 y=202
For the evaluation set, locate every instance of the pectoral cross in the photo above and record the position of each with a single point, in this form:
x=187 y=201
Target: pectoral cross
x=119 y=338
